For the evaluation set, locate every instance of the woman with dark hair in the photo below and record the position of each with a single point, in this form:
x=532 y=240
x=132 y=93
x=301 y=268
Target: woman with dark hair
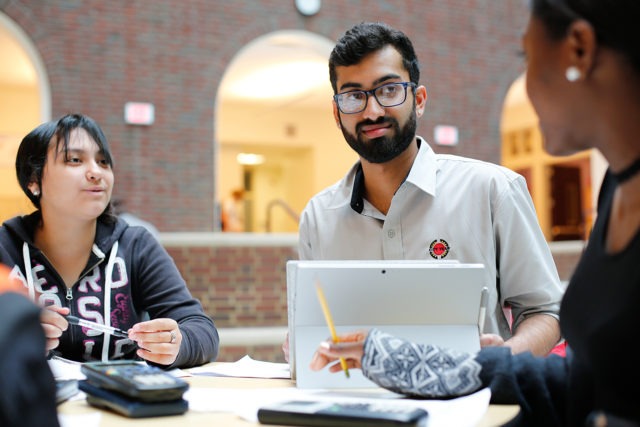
x=76 y=258
x=583 y=79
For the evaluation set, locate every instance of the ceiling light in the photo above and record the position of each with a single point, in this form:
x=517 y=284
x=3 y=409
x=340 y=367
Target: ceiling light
x=250 y=159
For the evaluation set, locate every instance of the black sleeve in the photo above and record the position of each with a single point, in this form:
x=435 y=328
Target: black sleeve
x=27 y=386
x=537 y=384
x=162 y=292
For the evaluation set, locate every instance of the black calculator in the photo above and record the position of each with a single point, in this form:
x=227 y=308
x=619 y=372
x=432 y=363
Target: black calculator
x=333 y=414
x=116 y=402
x=134 y=380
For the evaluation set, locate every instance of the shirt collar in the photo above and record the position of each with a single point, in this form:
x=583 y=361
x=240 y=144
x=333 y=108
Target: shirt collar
x=422 y=175
x=424 y=171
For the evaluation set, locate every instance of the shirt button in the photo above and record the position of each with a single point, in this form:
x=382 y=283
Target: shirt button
x=391 y=234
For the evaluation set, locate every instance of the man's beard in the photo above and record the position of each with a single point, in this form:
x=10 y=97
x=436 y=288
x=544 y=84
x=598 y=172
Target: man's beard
x=384 y=148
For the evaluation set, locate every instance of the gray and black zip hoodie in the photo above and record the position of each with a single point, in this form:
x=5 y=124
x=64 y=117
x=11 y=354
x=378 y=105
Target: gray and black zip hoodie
x=128 y=274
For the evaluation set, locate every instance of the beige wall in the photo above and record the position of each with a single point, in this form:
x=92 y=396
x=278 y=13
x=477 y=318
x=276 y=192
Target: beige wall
x=300 y=159
x=19 y=113
x=276 y=100
x=19 y=109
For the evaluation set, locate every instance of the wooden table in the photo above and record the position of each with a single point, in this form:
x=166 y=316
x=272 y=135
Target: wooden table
x=496 y=415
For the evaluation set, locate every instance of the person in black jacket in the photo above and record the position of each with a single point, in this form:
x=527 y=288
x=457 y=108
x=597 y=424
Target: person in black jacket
x=75 y=258
x=27 y=387
x=583 y=79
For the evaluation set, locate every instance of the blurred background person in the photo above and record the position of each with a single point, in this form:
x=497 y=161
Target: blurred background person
x=233 y=212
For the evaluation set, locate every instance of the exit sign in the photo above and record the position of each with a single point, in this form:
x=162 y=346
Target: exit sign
x=445 y=135
x=139 y=113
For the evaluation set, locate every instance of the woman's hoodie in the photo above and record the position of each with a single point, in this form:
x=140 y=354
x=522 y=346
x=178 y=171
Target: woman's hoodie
x=129 y=278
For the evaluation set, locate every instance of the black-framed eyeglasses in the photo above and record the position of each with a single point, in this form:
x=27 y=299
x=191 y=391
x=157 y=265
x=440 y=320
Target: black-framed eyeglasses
x=387 y=95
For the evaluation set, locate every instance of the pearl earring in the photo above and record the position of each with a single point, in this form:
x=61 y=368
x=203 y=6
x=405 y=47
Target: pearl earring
x=36 y=193
x=573 y=74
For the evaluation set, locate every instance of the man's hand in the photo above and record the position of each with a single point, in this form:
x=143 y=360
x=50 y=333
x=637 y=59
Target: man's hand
x=491 y=340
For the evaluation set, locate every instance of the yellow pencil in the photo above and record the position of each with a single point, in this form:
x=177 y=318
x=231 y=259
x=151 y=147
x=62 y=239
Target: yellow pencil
x=332 y=329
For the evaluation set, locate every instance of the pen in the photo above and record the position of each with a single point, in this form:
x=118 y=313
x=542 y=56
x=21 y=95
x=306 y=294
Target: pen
x=332 y=329
x=484 y=300
x=73 y=320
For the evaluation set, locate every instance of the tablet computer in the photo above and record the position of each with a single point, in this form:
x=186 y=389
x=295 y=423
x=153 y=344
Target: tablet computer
x=431 y=302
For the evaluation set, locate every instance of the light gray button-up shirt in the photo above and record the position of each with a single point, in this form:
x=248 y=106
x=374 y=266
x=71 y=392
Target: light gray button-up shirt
x=448 y=208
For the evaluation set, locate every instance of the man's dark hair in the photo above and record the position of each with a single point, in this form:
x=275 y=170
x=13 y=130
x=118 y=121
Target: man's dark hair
x=366 y=38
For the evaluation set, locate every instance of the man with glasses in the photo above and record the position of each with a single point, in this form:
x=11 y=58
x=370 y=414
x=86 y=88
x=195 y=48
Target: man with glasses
x=403 y=201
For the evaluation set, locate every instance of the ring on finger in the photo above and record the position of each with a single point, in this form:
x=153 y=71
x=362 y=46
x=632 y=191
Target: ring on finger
x=173 y=337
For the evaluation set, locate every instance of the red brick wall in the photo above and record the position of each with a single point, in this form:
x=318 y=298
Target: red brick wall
x=238 y=286
x=173 y=53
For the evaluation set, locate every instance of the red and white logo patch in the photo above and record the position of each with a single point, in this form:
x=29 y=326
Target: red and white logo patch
x=439 y=249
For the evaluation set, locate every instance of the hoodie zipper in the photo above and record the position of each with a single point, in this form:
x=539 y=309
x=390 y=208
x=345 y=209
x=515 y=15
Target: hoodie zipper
x=69 y=295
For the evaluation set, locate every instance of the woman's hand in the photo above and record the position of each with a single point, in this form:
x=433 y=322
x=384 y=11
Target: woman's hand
x=54 y=324
x=159 y=340
x=349 y=346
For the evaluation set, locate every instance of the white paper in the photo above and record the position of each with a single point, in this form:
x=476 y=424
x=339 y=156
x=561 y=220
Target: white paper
x=460 y=412
x=246 y=368
x=92 y=419
x=65 y=369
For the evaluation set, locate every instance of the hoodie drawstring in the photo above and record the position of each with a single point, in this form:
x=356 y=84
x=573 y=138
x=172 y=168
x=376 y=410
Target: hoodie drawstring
x=26 y=256
x=107 y=298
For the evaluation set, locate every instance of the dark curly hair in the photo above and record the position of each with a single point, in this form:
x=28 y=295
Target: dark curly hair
x=366 y=38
